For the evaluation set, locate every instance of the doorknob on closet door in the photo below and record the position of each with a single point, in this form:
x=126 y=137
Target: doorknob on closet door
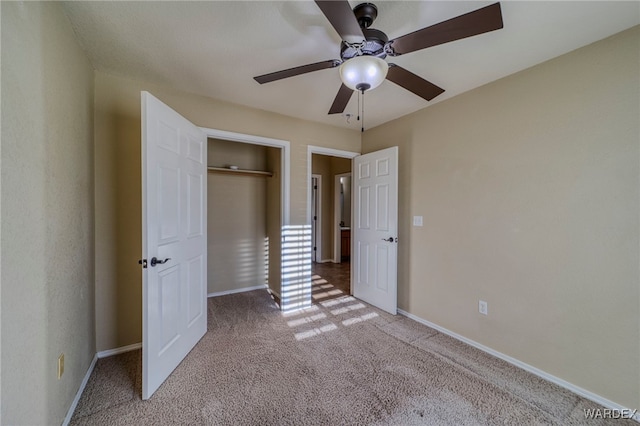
x=155 y=261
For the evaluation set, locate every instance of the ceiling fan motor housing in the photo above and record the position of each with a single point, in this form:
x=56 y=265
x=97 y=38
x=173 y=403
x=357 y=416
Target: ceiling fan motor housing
x=373 y=46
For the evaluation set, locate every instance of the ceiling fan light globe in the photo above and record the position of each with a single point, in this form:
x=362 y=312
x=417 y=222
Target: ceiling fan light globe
x=363 y=71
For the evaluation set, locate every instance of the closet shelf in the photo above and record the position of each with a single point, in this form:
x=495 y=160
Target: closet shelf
x=239 y=171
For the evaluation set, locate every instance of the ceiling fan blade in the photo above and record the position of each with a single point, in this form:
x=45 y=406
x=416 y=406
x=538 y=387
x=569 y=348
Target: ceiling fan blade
x=479 y=21
x=341 y=17
x=341 y=100
x=291 y=72
x=413 y=83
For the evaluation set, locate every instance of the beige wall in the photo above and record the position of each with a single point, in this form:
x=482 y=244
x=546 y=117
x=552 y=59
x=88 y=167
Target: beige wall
x=47 y=213
x=236 y=217
x=118 y=206
x=530 y=196
x=222 y=153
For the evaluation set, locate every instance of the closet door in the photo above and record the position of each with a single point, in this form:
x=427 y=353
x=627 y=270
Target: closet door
x=174 y=240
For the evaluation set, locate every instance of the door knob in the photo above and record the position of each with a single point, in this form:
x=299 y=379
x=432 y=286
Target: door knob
x=389 y=240
x=155 y=261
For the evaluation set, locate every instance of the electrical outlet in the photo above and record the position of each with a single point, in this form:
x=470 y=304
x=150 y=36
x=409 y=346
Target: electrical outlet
x=417 y=221
x=60 y=365
x=483 y=308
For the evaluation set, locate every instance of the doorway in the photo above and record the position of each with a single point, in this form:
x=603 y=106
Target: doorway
x=330 y=271
x=342 y=215
x=326 y=197
x=278 y=210
x=243 y=216
x=316 y=212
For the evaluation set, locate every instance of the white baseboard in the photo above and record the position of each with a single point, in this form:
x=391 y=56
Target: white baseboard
x=74 y=404
x=120 y=350
x=101 y=354
x=238 y=290
x=531 y=369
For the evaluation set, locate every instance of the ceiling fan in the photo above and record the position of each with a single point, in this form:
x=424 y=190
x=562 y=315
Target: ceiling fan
x=363 y=49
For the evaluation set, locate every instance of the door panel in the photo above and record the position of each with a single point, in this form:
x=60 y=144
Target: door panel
x=376 y=231
x=382 y=204
x=362 y=253
x=195 y=279
x=363 y=200
x=174 y=231
x=382 y=261
x=195 y=206
x=169 y=303
x=168 y=196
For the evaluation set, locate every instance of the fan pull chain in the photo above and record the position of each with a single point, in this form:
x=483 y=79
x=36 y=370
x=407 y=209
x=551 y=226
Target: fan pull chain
x=358 y=105
x=362 y=128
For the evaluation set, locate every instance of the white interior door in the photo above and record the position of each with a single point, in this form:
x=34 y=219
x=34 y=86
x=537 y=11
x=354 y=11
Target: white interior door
x=375 y=231
x=174 y=229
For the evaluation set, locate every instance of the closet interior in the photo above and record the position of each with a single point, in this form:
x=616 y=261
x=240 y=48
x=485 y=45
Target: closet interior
x=243 y=216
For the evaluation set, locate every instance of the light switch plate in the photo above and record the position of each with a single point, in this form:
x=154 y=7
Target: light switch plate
x=417 y=221
x=483 y=307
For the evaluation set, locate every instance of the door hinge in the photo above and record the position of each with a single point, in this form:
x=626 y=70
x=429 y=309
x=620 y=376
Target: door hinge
x=315 y=218
x=142 y=262
x=315 y=187
x=315 y=248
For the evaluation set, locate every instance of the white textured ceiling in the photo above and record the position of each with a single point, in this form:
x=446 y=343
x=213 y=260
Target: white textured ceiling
x=216 y=48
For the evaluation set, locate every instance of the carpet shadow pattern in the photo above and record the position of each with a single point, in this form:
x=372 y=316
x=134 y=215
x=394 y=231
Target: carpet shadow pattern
x=338 y=362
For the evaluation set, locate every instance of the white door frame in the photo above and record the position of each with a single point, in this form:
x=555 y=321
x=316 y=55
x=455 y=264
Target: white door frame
x=337 y=244
x=285 y=156
x=317 y=242
x=312 y=149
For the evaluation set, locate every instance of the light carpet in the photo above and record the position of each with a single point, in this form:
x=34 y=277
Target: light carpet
x=339 y=362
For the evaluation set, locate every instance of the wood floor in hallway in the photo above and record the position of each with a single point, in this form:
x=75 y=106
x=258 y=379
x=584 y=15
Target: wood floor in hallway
x=330 y=281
